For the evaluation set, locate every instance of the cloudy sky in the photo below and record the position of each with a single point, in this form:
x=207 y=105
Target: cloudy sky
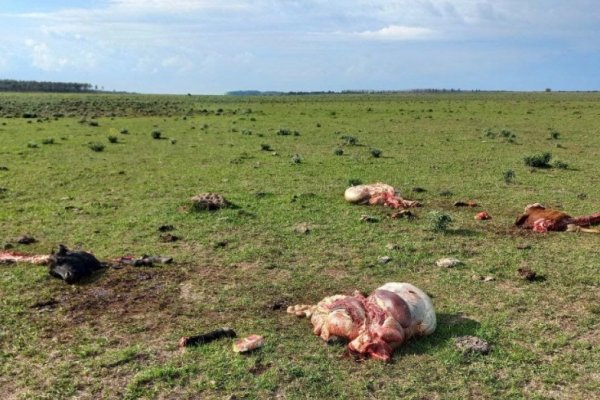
x=214 y=46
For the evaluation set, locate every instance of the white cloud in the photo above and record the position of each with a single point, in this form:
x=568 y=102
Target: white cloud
x=239 y=42
x=44 y=58
x=177 y=6
x=178 y=63
x=396 y=32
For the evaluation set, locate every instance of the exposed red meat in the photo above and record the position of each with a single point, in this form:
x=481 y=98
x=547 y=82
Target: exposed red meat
x=378 y=193
x=482 y=216
x=373 y=325
x=540 y=219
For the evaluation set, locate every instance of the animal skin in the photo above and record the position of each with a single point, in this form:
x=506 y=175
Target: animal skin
x=72 y=266
x=540 y=219
x=375 y=325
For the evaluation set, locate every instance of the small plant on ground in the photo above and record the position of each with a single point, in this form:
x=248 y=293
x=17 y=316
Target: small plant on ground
x=509 y=176
x=338 y=152
x=93 y=123
x=32 y=145
x=489 y=133
x=296 y=159
x=508 y=135
x=156 y=134
x=440 y=222
x=538 y=160
x=94 y=146
x=124 y=131
x=376 y=153
x=554 y=134
x=113 y=139
x=350 y=140
x=354 y=182
x=284 y=132
x=173 y=140
x=560 y=164
x=48 y=141
x=265 y=147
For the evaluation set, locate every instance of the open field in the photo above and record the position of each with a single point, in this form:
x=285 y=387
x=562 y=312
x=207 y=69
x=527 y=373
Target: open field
x=116 y=336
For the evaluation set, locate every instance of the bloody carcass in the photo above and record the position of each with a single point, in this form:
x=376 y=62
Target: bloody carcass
x=378 y=193
x=374 y=325
x=541 y=219
x=9 y=257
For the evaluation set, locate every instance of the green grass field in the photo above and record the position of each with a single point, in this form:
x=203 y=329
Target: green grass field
x=116 y=336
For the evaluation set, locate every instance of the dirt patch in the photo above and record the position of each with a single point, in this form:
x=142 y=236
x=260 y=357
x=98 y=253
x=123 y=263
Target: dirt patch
x=259 y=368
x=191 y=292
x=122 y=295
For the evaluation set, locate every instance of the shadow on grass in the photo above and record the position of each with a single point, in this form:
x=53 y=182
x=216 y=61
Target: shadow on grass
x=87 y=280
x=448 y=327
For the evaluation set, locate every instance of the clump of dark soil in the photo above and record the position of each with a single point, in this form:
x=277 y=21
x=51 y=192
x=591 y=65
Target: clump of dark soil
x=26 y=239
x=527 y=274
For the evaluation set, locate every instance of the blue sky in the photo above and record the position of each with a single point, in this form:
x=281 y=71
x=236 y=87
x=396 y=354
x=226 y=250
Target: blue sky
x=205 y=46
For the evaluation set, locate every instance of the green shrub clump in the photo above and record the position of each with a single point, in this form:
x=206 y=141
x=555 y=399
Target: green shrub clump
x=94 y=146
x=560 y=164
x=376 y=153
x=509 y=176
x=539 y=160
x=440 y=222
x=350 y=140
x=156 y=134
x=554 y=134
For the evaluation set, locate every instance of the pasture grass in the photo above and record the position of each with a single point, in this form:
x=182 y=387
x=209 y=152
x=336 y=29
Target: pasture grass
x=116 y=336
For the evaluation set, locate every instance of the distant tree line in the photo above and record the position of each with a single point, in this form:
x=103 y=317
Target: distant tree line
x=9 y=85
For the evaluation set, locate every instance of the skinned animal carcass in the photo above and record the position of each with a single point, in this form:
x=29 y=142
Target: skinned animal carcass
x=375 y=325
x=9 y=257
x=377 y=193
x=540 y=219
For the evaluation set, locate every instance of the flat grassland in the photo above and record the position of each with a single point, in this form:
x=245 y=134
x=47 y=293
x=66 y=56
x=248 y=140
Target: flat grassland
x=116 y=335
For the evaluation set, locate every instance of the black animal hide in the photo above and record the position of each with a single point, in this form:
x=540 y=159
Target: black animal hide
x=72 y=266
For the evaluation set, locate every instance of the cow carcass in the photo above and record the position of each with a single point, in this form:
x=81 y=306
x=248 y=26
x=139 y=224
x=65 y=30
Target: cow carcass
x=541 y=219
x=374 y=325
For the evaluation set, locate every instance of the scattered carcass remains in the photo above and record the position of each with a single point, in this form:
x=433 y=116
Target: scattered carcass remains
x=373 y=325
x=541 y=219
x=378 y=193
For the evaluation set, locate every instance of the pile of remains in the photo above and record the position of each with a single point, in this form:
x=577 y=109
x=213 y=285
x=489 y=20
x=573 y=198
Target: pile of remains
x=373 y=325
x=540 y=219
x=209 y=201
x=378 y=193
